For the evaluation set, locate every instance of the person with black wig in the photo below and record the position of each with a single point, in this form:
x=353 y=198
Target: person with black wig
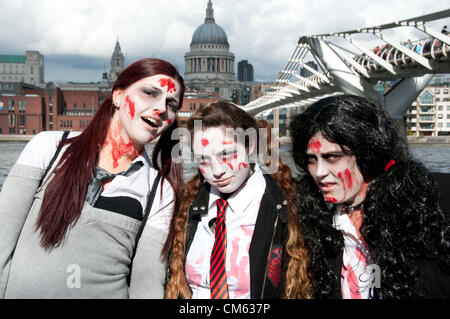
x=372 y=222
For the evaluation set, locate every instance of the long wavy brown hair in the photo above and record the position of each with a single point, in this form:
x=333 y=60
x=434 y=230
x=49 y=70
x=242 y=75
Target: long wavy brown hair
x=297 y=279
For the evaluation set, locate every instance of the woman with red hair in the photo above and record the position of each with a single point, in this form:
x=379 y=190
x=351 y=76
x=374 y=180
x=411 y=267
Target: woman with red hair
x=70 y=232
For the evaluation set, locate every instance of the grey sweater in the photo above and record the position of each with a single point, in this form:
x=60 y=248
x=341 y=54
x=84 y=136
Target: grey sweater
x=93 y=260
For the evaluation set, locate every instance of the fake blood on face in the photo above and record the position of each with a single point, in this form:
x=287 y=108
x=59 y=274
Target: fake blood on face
x=348 y=178
x=315 y=146
x=204 y=142
x=169 y=83
x=242 y=164
x=344 y=187
x=330 y=199
x=131 y=108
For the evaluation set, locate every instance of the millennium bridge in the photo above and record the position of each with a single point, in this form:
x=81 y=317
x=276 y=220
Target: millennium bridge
x=348 y=65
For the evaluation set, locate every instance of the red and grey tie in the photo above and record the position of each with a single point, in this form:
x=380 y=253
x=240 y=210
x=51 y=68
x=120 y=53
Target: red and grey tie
x=217 y=273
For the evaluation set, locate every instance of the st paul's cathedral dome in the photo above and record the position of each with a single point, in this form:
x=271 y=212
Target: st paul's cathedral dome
x=209 y=63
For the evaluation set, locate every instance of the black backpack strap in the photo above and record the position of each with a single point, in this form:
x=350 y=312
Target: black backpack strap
x=58 y=150
x=151 y=197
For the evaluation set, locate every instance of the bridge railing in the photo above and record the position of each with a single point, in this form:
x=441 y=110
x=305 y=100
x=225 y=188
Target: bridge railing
x=431 y=49
x=395 y=60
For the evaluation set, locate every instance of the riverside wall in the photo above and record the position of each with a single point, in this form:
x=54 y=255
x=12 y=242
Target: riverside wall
x=283 y=140
x=15 y=138
x=411 y=140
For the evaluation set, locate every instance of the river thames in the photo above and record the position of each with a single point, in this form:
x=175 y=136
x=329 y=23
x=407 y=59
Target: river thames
x=436 y=157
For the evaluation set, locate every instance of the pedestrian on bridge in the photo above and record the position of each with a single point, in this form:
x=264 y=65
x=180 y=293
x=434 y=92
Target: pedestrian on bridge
x=372 y=221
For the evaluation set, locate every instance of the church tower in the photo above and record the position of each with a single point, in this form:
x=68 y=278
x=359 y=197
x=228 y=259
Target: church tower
x=117 y=62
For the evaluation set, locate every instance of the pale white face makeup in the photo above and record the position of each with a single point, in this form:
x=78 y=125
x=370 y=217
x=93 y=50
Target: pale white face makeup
x=335 y=173
x=223 y=162
x=148 y=107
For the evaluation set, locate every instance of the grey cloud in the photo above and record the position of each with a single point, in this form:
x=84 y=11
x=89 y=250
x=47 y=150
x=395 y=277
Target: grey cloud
x=262 y=32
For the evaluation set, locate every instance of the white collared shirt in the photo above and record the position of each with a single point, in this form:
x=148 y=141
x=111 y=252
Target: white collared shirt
x=40 y=150
x=241 y=215
x=357 y=277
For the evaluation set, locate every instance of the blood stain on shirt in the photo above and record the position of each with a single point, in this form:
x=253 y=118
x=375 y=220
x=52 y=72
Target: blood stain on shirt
x=239 y=270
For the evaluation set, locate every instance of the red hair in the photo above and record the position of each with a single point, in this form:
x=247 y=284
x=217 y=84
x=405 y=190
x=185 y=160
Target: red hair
x=65 y=194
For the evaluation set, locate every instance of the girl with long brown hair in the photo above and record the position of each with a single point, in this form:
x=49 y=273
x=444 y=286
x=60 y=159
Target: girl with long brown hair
x=74 y=236
x=237 y=234
x=371 y=214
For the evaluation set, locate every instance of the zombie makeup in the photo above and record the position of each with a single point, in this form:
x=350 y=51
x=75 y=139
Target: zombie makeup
x=130 y=105
x=314 y=145
x=148 y=107
x=335 y=173
x=169 y=83
x=222 y=161
x=119 y=147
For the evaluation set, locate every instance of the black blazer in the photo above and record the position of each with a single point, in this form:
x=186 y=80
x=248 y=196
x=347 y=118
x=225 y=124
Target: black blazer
x=268 y=241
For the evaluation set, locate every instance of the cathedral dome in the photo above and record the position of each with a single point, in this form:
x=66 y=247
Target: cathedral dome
x=209 y=32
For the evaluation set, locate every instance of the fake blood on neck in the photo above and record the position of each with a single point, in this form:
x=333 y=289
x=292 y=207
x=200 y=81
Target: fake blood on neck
x=119 y=147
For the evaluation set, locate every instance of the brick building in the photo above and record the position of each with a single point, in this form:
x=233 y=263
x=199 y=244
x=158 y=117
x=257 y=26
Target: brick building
x=192 y=101
x=26 y=109
x=28 y=105
x=21 y=109
x=71 y=106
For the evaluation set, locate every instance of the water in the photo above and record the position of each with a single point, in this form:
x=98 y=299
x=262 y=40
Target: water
x=9 y=152
x=434 y=156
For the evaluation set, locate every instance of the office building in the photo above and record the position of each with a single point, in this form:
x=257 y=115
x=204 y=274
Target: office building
x=245 y=71
x=28 y=68
x=429 y=115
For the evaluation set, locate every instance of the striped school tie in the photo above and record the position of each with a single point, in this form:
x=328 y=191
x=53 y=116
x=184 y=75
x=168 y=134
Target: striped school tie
x=217 y=273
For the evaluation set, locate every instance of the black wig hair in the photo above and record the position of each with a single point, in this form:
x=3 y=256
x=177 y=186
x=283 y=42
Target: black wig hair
x=402 y=223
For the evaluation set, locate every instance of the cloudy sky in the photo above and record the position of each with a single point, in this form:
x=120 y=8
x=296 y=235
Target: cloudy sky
x=77 y=38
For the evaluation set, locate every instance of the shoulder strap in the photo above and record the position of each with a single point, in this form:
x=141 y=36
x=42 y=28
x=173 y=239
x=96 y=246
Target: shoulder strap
x=58 y=150
x=150 y=199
